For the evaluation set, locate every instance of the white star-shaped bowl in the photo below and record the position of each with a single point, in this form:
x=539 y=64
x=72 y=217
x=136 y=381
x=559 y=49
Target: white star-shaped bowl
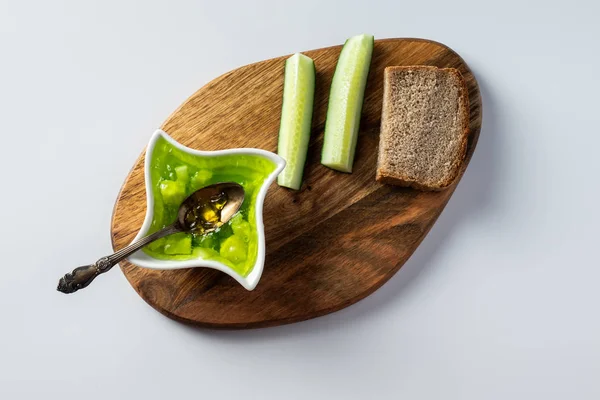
x=144 y=260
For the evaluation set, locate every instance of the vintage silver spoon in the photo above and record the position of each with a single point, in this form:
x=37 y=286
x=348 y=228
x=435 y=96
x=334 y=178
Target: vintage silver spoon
x=202 y=212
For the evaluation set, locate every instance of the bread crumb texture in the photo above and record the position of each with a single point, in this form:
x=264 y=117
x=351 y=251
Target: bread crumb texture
x=424 y=126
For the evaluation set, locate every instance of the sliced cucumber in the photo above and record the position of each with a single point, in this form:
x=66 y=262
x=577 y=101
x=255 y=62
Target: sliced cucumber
x=182 y=174
x=296 y=117
x=234 y=249
x=179 y=243
x=173 y=193
x=345 y=103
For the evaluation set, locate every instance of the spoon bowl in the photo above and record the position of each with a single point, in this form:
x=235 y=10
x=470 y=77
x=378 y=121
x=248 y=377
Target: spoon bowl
x=231 y=193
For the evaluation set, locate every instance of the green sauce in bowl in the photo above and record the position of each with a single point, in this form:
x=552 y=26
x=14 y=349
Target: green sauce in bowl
x=175 y=174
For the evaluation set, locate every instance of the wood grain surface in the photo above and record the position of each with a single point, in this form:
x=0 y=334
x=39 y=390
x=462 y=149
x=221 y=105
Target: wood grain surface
x=330 y=244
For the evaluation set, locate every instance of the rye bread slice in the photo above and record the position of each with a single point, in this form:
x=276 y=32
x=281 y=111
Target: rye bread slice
x=424 y=127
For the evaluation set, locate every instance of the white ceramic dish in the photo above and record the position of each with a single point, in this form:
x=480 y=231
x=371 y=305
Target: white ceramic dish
x=142 y=259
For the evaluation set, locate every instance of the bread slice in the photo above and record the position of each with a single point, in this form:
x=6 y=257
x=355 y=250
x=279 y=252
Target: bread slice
x=424 y=127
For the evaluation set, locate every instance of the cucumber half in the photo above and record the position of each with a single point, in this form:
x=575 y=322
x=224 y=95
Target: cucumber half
x=296 y=117
x=345 y=103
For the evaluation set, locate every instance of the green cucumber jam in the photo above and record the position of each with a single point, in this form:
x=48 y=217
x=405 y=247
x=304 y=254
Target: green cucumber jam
x=176 y=174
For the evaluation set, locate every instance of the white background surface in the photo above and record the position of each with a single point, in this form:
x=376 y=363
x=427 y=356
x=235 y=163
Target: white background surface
x=500 y=301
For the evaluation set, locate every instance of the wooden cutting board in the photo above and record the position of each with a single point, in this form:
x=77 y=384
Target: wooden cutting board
x=330 y=244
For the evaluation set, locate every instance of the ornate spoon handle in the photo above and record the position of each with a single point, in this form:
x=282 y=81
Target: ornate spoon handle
x=82 y=276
